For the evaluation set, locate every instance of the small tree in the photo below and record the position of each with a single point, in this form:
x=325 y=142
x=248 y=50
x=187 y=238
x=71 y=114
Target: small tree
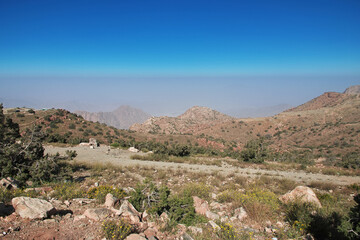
x=254 y=151
x=22 y=158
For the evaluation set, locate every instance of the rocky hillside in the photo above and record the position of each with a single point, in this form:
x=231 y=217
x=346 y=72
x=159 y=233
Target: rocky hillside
x=328 y=99
x=122 y=117
x=192 y=120
x=62 y=126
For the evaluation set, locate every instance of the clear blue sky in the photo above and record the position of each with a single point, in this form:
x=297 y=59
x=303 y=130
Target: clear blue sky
x=174 y=54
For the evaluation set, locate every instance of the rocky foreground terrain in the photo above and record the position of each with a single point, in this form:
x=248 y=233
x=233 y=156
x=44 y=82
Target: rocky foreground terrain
x=61 y=212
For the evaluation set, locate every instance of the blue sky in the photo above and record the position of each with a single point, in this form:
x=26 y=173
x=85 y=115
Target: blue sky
x=165 y=56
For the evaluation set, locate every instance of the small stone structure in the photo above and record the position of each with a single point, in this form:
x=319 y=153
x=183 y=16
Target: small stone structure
x=92 y=143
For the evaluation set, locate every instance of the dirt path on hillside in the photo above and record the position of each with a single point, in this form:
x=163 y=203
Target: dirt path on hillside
x=118 y=157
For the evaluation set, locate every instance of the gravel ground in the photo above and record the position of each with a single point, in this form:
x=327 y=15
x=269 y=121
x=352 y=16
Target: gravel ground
x=118 y=157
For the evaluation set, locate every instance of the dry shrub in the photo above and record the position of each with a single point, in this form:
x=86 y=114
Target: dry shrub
x=200 y=190
x=323 y=185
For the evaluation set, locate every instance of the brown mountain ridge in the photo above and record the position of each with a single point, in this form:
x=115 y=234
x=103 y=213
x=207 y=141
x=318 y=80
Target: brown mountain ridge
x=192 y=120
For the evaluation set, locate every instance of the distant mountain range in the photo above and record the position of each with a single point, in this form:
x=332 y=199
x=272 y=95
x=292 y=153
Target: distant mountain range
x=122 y=117
x=327 y=124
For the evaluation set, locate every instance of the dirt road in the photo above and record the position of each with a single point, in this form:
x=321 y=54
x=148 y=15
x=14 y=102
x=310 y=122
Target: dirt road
x=118 y=157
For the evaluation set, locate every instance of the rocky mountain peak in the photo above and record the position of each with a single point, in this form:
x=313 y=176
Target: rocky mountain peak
x=353 y=90
x=203 y=114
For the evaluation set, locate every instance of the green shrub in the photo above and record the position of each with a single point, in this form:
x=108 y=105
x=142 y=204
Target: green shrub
x=71 y=154
x=67 y=191
x=156 y=200
x=118 y=230
x=228 y=232
x=99 y=193
x=7 y=195
x=115 y=145
x=181 y=210
x=72 y=126
x=255 y=151
x=260 y=204
x=50 y=168
x=200 y=190
x=300 y=213
x=355 y=218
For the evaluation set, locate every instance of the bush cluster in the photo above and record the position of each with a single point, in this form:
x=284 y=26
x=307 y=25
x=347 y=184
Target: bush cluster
x=22 y=157
x=118 y=230
x=99 y=193
x=156 y=200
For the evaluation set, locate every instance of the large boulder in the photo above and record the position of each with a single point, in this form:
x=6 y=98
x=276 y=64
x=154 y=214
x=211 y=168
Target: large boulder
x=302 y=194
x=97 y=214
x=32 y=208
x=201 y=206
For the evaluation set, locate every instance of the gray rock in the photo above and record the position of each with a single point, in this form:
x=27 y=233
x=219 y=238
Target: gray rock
x=97 y=214
x=110 y=200
x=303 y=194
x=128 y=211
x=32 y=208
x=186 y=236
x=212 y=216
x=196 y=230
x=213 y=225
x=135 y=237
x=353 y=90
x=240 y=213
x=201 y=206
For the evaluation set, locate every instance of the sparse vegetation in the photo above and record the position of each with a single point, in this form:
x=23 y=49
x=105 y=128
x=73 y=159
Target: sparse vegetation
x=118 y=230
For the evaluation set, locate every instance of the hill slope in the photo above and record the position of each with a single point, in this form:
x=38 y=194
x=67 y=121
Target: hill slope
x=189 y=122
x=122 y=117
x=328 y=124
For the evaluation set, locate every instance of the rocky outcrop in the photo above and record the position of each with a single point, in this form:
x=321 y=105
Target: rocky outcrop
x=353 y=90
x=33 y=208
x=302 y=194
x=192 y=120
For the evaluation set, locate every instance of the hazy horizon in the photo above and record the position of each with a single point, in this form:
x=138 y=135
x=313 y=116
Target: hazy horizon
x=233 y=96
x=165 y=57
